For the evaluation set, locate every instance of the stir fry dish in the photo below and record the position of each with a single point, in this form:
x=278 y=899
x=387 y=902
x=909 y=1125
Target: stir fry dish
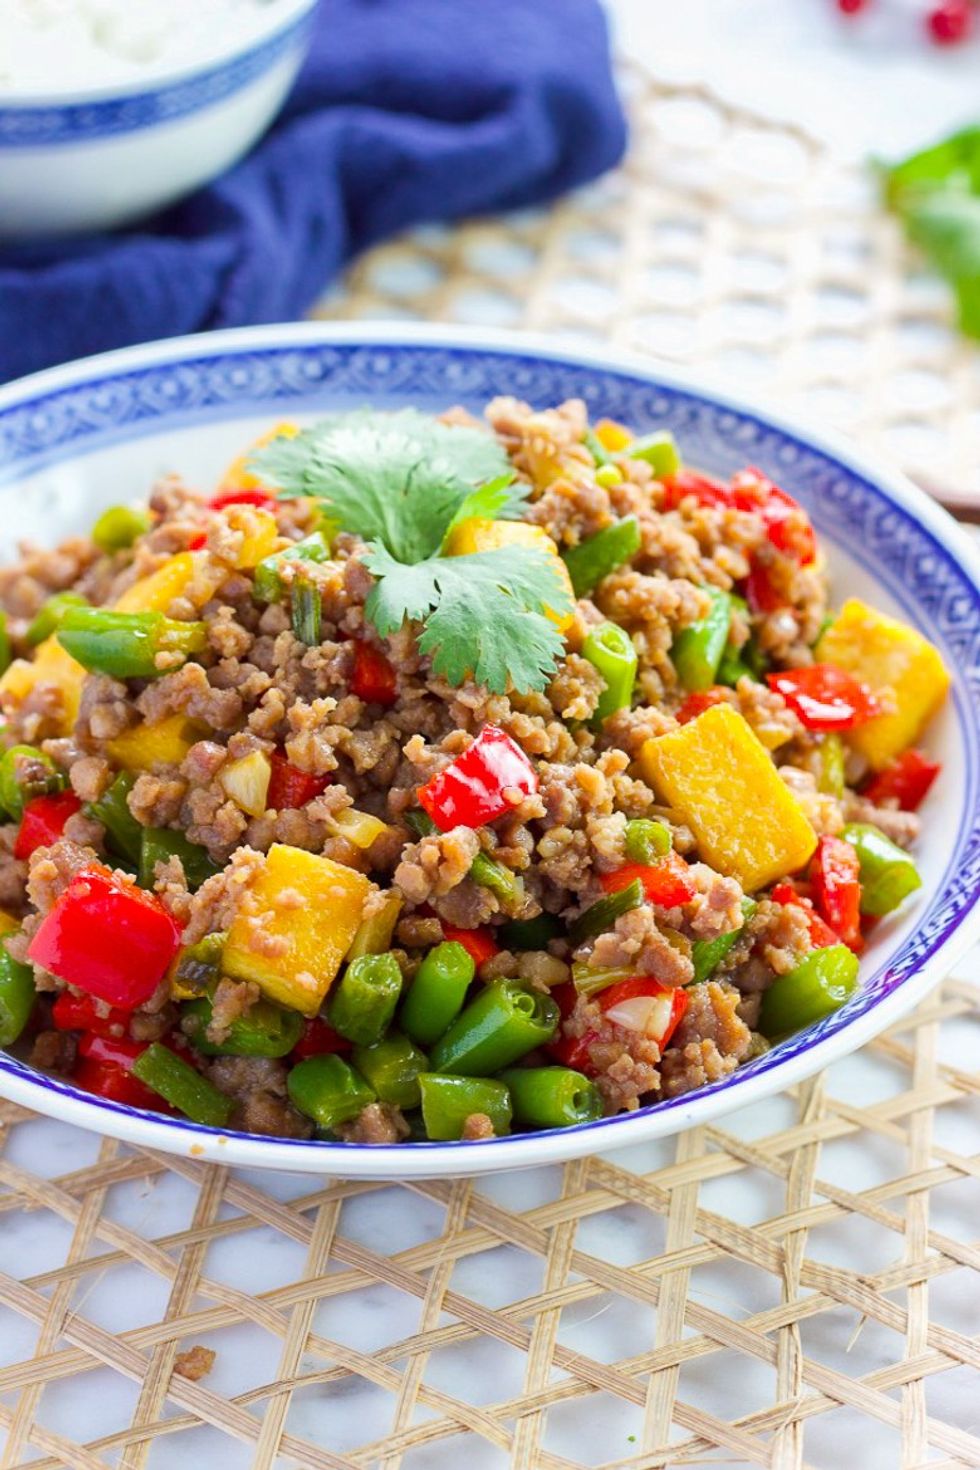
x=437 y=778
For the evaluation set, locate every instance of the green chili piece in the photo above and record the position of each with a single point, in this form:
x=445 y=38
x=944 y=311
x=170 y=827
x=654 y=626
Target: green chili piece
x=26 y=772
x=437 y=993
x=535 y=933
x=696 y=651
x=307 y=609
x=268 y=584
x=158 y=844
x=17 y=996
x=503 y=1023
x=447 y=1102
x=646 y=840
x=601 y=554
x=48 y=619
x=832 y=779
x=731 y=668
x=364 y=1001
x=819 y=985
x=119 y=526
x=500 y=879
x=588 y=981
x=610 y=650
x=659 y=451
x=264 y=1030
x=327 y=1090
x=596 y=448
x=6 y=653
x=552 y=1097
x=182 y=1086
x=707 y=954
x=124 y=834
x=391 y=1068
x=603 y=914
x=198 y=967
x=126 y=645
x=888 y=873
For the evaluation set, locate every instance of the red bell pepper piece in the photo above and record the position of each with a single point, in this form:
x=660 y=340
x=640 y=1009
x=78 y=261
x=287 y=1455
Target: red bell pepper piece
x=667 y=883
x=704 y=488
x=106 y=936
x=80 y=1013
x=373 y=678
x=824 y=697
x=105 y=1068
x=761 y=593
x=907 y=780
x=642 y=1004
x=787 y=524
x=479 y=944
x=483 y=783
x=319 y=1039
x=835 y=873
x=44 y=821
x=697 y=702
x=197 y=541
x=289 y=787
x=821 y=934
x=223 y=498
x=570 y=1051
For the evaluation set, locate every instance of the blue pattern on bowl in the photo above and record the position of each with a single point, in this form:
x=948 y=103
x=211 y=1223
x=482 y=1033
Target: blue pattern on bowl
x=925 y=578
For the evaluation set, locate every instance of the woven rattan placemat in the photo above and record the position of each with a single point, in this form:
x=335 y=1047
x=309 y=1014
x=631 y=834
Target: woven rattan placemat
x=797 y=1288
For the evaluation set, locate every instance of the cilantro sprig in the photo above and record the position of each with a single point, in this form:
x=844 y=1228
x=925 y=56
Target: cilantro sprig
x=402 y=482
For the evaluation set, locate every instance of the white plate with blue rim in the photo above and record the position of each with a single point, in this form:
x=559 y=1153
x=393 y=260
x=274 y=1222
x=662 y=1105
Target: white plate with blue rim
x=80 y=437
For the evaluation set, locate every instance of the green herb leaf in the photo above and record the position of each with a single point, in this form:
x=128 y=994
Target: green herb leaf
x=484 y=613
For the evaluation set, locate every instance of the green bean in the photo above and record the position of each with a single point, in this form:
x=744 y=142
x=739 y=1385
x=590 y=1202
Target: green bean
x=26 y=772
x=363 y=1002
x=327 y=1090
x=118 y=527
x=552 y=1097
x=601 y=554
x=198 y=967
x=128 y=645
x=391 y=1068
x=17 y=995
x=503 y=1023
x=159 y=844
x=888 y=873
x=696 y=651
x=603 y=914
x=611 y=652
x=47 y=620
x=707 y=954
x=182 y=1086
x=659 y=451
x=307 y=609
x=819 y=985
x=536 y=933
x=264 y=1030
x=268 y=583
x=646 y=840
x=123 y=833
x=447 y=1102
x=437 y=993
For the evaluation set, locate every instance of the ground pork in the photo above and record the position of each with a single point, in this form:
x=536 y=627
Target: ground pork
x=54 y=1051
x=717 y=906
x=195 y=1363
x=52 y=869
x=217 y=901
x=822 y=810
x=477 y=1128
x=379 y=1122
x=637 y=943
x=231 y=1000
x=901 y=827
x=436 y=864
x=258 y=1087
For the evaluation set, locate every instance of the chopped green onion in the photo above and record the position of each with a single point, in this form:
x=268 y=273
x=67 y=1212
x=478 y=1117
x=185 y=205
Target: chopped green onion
x=659 y=451
x=603 y=914
x=646 y=840
x=611 y=651
x=601 y=554
x=118 y=527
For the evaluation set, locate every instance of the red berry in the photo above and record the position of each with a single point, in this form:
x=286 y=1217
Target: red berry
x=950 y=22
x=851 y=7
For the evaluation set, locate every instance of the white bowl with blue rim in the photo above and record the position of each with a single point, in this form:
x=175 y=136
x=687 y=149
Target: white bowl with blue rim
x=73 y=162
x=77 y=438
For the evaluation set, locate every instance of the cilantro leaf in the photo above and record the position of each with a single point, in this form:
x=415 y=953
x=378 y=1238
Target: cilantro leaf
x=484 y=613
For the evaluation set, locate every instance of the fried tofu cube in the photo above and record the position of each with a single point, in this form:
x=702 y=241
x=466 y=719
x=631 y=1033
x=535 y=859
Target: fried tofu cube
x=896 y=662
x=295 y=925
x=717 y=774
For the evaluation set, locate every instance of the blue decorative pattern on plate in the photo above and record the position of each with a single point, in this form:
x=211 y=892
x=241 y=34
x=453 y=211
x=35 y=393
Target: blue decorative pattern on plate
x=912 y=553
x=31 y=126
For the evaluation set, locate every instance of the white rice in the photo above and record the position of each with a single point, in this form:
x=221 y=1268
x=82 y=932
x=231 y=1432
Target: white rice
x=55 y=46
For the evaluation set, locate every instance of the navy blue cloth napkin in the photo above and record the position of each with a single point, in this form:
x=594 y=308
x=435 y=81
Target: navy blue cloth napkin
x=406 y=110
